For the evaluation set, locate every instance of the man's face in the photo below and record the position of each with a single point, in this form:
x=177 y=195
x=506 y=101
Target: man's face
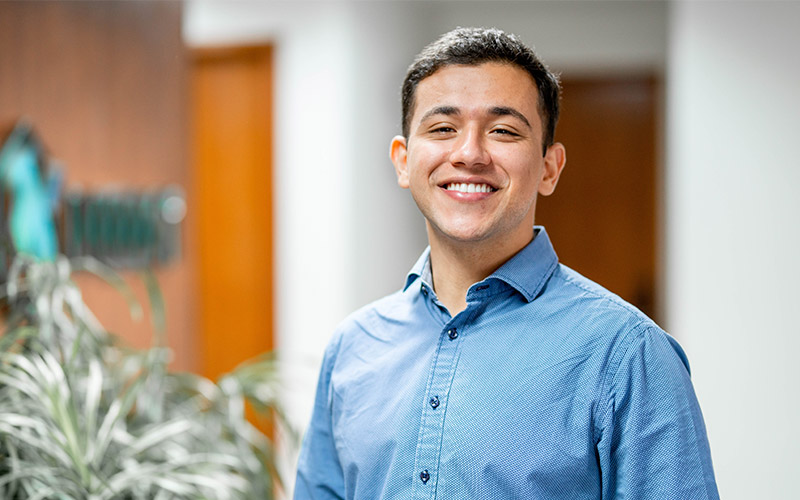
x=473 y=158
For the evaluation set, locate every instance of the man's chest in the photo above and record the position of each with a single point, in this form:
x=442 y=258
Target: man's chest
x=483 y=415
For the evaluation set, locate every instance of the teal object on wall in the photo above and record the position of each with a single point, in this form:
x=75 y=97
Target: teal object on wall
x=31 y=225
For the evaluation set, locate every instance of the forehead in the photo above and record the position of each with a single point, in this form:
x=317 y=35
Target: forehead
x=477 y=88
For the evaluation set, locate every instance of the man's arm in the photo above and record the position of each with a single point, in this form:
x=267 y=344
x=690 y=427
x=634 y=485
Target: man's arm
x=319 y=473
x=653 y=442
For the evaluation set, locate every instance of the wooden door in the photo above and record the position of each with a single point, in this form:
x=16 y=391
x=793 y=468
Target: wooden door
x=602 y=216
x=232 y=196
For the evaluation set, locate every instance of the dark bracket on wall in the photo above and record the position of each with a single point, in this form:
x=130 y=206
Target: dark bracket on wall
x=125 y=229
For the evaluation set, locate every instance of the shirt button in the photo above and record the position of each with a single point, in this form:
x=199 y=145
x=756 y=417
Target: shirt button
x=425 y=291
x=424 y=476
x=452 y=333
x=434 y=402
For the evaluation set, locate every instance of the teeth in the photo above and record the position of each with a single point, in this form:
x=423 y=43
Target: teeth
x=469 y=188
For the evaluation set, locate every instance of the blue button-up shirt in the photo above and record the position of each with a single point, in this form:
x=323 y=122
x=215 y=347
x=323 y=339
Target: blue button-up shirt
x=546 y=386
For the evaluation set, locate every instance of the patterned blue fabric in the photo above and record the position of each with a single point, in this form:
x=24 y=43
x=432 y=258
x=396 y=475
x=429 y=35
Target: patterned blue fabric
x=546 y=387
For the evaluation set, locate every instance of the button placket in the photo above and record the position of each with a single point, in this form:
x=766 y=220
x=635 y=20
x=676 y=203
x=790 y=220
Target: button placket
x=433 y=413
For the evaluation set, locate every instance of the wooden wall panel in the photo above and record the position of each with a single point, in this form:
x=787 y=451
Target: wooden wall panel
x=104 y=83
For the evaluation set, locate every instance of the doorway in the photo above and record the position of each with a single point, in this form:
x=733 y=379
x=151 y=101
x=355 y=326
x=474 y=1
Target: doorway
x=603 y=216
x=231 y=145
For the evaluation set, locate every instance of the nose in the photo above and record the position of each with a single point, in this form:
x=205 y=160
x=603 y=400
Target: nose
x=469 y=150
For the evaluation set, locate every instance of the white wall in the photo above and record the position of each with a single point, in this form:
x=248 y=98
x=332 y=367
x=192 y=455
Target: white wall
x=732 y=235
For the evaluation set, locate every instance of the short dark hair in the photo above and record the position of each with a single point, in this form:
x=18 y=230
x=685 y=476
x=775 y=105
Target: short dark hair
x=474 y=46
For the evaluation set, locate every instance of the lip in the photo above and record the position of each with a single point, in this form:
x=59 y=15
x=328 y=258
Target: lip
x=471 y=196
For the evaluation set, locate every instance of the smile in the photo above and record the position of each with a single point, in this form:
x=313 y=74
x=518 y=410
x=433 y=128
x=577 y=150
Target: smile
x=469 y=188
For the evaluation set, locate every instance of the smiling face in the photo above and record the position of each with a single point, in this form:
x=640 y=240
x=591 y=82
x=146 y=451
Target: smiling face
x=473 y=158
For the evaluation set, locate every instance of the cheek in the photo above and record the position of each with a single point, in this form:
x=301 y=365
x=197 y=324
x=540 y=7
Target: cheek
x=527 y=174
x=422 y=162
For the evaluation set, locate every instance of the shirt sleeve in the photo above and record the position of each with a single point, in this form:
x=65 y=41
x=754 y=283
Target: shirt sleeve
x=653 y=442
x=319 y=473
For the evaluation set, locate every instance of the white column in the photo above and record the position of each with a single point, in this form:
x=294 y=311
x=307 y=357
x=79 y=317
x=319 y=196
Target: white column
x=732 y=237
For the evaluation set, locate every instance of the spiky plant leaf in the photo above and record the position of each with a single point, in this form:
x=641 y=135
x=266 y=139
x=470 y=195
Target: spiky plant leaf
x=83 y=417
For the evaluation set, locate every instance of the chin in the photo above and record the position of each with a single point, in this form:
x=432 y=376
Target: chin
x=465 y=234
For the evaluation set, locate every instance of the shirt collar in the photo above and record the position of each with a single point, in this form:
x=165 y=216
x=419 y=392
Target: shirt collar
x=422 y=269
x=527 y=271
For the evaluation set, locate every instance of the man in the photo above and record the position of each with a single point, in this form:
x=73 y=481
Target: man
x=496 y=372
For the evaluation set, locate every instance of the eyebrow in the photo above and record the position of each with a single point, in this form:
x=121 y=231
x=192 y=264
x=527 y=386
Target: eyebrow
x=505 y=111
x=495 y=110
x=440 y=110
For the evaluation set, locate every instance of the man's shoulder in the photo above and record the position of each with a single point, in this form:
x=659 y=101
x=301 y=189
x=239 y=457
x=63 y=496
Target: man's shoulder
x=602 y=318
x=583 y=296
x=394 y=309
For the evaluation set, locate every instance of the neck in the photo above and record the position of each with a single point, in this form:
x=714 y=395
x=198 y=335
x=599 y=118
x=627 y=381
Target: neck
x=456 y=266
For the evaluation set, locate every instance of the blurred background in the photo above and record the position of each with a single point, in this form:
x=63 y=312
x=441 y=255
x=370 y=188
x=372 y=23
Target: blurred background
x=273 y=121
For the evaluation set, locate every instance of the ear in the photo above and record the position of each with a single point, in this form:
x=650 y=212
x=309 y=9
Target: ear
x=554 y=160
x=399 y=155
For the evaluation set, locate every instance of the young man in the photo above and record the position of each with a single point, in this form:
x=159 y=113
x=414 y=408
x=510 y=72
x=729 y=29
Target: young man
x=496 y=372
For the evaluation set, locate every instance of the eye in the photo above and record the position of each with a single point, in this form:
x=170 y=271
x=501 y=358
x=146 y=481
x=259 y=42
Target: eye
x=442 y=130
x=504 y=131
